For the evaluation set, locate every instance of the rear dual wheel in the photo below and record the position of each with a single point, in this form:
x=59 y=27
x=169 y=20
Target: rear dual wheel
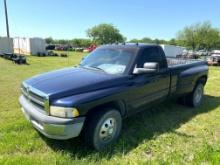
x=194 y=99
x=197 y=95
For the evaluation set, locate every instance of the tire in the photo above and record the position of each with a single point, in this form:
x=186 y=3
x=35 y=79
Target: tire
x=194 y=99
x=103 y=128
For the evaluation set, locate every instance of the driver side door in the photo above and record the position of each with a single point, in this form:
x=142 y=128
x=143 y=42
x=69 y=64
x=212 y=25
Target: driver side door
x=150 y=87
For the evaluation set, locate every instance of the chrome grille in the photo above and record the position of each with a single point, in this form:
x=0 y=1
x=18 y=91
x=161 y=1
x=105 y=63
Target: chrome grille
x=36 y=97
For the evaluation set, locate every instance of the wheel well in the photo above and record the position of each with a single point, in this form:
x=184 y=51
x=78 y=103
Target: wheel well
x=117 y=105
x=202 y=79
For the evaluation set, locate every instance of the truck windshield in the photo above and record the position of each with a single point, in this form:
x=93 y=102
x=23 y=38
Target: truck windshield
x=112 y=61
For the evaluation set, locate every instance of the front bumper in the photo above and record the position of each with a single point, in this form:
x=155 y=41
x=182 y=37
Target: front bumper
x=51 y=127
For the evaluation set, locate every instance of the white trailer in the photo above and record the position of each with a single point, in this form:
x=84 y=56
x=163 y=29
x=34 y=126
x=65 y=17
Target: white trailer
x=172 y=51
x=6 y=45
x=29 y=46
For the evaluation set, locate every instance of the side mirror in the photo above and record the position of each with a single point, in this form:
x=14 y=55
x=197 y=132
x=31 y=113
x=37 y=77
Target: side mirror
x=149 y=67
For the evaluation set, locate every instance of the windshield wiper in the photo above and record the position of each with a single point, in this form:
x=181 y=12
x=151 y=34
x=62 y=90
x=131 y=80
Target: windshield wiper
x=95 y=67
x=92 y=67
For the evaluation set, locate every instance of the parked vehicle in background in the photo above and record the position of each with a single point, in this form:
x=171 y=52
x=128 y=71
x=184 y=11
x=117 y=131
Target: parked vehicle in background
x=189 y=54
x=215 y=52
x=91 y=48
x=172 y=51
x=50 y=47
x=63 y=47
x=111 y=83
x=202 y=53
x=79 y=49
x=214 y=58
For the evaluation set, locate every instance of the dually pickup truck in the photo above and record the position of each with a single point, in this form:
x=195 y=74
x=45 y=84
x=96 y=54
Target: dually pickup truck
x=111 y=83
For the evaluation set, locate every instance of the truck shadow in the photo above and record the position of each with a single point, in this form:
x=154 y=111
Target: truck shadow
x=146 y=125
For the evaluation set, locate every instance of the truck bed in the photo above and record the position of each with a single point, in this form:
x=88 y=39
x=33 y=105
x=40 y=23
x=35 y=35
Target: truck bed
x=175 y=62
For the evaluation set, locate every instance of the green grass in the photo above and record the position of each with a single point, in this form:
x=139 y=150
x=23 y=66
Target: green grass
x=170 y=133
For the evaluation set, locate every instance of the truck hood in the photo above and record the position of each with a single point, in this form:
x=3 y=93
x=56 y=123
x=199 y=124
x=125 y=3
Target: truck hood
x=71 y=81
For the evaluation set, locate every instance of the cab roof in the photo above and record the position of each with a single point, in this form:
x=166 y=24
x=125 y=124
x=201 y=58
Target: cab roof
x=130 y=45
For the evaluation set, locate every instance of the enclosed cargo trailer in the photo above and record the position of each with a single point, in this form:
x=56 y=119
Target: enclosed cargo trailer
x=6 y=45
x=29 y=46
x=172 y=51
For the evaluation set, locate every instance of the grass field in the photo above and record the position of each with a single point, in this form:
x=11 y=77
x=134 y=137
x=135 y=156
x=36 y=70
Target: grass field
x=170 y=133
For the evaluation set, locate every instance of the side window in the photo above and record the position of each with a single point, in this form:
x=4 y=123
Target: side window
x=163 y=61
x=150 y=55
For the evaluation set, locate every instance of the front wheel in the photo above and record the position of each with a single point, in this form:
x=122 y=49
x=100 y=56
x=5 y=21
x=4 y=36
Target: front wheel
x=103 y=128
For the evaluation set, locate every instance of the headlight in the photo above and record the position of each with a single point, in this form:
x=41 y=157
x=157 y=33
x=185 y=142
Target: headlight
x=63 y=112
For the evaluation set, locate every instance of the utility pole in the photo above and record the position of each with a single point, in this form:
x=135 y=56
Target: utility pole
x=6 y=19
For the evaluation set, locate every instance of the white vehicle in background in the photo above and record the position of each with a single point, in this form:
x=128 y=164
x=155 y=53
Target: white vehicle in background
x=214 y=58
x=172 y=51
x=202 y=52
x=215 y=52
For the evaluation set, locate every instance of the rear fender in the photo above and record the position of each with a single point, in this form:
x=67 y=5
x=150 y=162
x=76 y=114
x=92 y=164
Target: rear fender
x=189 y=77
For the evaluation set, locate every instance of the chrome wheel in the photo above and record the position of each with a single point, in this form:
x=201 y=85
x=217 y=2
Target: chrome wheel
x=108 y=129
x=198 y=94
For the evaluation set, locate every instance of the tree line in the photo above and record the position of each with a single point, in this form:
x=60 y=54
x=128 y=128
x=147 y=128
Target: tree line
x=196 y=37
x=77 y=42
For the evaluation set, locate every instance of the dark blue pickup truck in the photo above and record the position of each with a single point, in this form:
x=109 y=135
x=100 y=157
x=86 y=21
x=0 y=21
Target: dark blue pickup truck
x=111 y=83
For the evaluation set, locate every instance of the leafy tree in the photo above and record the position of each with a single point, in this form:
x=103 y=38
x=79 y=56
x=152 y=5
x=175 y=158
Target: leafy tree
x=199 y=36
x=135 y=41
x=104 y=34
x=172 y=42
x=62 y=41
x=149 y=40
x=218 y=44
x=79 y=42
x=49 y=40
x=157 y=41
